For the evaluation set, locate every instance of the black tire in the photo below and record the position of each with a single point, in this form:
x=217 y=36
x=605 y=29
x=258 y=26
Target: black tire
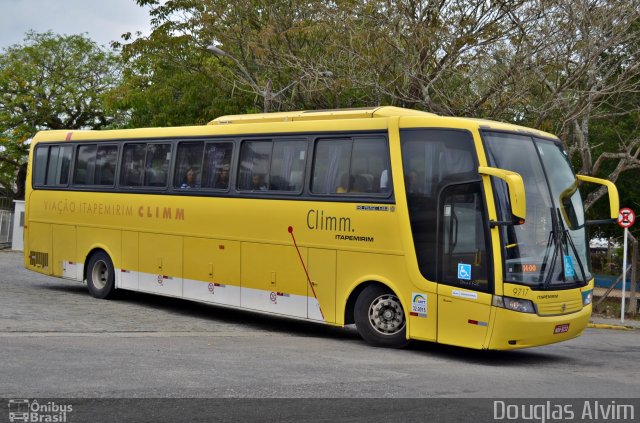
x=380 y=318
x=100 y=276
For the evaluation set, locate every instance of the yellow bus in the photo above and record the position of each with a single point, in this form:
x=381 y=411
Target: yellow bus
x=409 y=224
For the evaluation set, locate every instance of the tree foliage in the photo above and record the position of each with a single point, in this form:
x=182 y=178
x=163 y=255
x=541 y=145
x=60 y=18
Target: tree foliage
x=558 y=65
x=280 y=55
x=168 y=81
x=49 y=82
x=568 y=67
x=586 y=64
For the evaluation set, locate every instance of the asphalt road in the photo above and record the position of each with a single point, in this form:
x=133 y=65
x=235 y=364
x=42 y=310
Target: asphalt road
x=57 y=341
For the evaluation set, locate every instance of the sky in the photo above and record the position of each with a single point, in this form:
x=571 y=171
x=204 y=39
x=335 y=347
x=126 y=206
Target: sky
x=103 y=20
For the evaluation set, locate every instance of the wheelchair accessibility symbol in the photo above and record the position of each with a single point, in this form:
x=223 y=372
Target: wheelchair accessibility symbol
x=569 y=270
x=464 y=271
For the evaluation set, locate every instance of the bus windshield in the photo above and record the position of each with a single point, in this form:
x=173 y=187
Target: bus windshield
x=549 y=250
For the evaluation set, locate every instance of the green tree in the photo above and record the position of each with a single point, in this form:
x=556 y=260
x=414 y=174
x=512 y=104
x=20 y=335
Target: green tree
x=170 y=81
x=49 y=82
x=452 y=57
x=583 y=60
x=280 y=55
x=570 y=67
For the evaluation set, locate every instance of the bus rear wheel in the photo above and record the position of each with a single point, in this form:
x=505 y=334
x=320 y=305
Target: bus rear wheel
x=100 y=275
x=379 y=318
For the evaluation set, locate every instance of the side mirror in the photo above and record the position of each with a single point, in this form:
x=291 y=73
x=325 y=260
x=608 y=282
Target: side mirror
x=566 y=208
x=517 y=197
x=614 y=199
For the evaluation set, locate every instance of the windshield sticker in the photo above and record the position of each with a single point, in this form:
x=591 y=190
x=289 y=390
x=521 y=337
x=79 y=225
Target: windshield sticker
x=464 y=294
x=569 y=271
x=418 y=305
x=464 y=271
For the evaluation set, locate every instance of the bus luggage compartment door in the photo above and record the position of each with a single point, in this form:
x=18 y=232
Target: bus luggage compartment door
x=160 y=264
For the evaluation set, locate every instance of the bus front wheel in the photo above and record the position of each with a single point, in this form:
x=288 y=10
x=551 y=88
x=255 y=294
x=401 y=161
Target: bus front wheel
x=100 y=275
x=379 y=317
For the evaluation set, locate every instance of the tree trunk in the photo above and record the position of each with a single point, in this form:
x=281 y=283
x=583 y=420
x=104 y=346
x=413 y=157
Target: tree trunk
x=21 y=181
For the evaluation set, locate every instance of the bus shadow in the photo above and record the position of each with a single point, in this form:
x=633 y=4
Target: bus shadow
x=232 y=316
x=75 y=288
x=302 y=328
x=488 y=357
x=219 y=314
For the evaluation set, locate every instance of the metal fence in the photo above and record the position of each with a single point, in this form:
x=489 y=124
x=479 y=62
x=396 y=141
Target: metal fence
x=6 y=203
x=6 y=228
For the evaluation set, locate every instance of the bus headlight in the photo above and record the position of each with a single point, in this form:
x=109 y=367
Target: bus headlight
x=587 y=297
x=515 y=304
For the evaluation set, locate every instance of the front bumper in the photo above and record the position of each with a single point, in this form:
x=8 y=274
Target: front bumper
x=514 y=330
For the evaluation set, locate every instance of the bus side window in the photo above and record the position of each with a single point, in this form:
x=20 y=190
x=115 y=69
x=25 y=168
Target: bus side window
x=132 y=165
x=84 y=169
x=217 y=164
x=52 y=165
x=95 y=165
x=287 y=165
x=188 y=165
x=434 y=159
x=255 y=158
x=358 y=165
x=331 y=163
x=59 y=165
x=106 y=159
x=40 y=167
x=463 y=236
x=384 y=181
x=369 y=159
x=157 y=165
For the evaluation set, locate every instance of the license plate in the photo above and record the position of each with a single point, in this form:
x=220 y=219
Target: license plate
x=561 y=329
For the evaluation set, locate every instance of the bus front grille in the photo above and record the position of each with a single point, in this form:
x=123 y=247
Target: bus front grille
x=558 y=308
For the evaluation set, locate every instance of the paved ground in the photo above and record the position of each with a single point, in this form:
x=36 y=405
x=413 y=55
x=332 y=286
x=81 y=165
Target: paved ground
x=57 y=341
x=615 y=322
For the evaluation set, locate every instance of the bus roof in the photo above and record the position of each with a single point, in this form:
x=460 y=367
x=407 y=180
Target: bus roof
x=306 y=115
x=363 y=113
x=235 y=124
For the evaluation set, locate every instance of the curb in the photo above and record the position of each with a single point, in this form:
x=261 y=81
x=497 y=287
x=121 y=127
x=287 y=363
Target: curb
x=607 y=326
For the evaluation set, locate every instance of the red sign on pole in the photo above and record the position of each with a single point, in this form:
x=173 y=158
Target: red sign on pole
x=626 y=218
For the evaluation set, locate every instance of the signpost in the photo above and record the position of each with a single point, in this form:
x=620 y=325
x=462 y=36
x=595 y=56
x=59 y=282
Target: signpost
x=626 y=219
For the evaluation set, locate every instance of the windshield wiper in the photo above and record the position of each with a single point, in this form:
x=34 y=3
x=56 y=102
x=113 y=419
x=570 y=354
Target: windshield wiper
x=559 y=241
x=567 y=237
x=552 y=245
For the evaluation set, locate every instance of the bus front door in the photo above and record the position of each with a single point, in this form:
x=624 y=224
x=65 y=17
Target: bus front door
x=464 y=301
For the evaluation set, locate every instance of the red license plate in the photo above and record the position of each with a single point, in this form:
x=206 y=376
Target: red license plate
x=561 y=329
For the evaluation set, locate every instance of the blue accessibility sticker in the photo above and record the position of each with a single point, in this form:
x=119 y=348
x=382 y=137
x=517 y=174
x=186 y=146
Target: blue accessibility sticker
x=464 y=271
x=569 y=271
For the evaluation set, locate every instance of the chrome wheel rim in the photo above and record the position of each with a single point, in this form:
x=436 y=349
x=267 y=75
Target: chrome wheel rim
x=386 y=315
x=100 y=274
